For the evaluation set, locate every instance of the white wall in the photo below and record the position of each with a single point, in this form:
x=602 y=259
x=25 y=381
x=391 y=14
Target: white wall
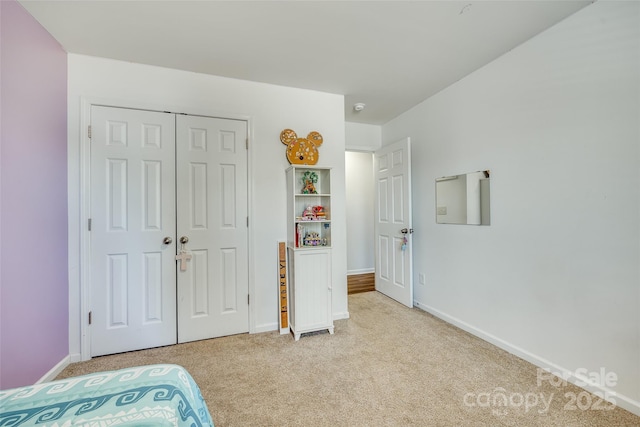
x=362 y=137
x=269 y=109
x=360 y=203
x=555 y=278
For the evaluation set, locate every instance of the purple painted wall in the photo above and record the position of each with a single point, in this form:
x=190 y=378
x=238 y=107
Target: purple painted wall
x=34 y=291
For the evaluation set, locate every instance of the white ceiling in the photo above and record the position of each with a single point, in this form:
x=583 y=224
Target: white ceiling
x=390 y=55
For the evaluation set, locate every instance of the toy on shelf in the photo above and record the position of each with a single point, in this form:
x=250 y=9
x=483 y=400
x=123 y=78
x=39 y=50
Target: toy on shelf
x=299 y=235
x=308 y=214
x=309 y=178
x=312 y=239
x=313 y=213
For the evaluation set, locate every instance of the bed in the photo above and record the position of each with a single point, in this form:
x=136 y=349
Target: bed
x=154 y=395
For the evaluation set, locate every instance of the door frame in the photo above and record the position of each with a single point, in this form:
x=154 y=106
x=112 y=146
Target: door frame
x=80 y=251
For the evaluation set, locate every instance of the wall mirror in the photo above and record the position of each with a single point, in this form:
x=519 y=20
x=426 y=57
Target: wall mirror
x=463 y=199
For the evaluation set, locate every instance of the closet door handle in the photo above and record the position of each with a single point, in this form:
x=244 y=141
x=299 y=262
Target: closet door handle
x=167 y=240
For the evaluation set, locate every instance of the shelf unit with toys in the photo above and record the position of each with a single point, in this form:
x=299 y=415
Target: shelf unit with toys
x=309 y=207
x=309 y=249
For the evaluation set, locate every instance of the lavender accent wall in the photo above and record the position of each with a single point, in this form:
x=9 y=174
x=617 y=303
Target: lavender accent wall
x=34 y=292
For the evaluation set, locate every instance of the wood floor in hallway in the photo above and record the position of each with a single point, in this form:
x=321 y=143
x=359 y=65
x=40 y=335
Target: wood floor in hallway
x=357 y=283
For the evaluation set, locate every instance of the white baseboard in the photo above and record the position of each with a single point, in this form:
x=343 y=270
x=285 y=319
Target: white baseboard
x=340 y=316
x=266 y=327
x=361 y=271
x=55 y=371
x=620 y=400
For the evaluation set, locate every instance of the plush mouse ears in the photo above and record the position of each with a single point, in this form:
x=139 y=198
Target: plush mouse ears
x=288 y=136
x=315 y=137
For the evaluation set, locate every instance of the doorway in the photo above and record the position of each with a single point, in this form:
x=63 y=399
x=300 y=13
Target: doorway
x=165 y=185
x=360 y=233
x=378 y=190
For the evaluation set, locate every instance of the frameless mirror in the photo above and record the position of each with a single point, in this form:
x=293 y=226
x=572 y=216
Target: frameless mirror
x=463 y=199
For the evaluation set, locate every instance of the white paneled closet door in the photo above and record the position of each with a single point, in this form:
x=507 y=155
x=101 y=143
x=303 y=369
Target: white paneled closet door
x=133 y=269
x=157 y=178
x=212 y=214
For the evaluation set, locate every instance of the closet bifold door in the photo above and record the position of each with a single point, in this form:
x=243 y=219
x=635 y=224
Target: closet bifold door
x=133 y=288
x=212 y=210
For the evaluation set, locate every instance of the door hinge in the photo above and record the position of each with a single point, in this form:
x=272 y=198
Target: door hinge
x=90 y=317
x=89 y=132
x=247 y=221
x=89 y=224
x=246 y=143
x=248 y=296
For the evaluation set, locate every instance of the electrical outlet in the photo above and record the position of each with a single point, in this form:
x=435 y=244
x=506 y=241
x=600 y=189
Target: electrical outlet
x=421 y=278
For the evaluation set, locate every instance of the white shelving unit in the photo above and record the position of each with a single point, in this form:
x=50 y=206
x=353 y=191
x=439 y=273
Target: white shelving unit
x=309 y=250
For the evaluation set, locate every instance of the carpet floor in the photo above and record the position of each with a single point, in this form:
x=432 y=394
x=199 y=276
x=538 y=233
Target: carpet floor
x=387 y=365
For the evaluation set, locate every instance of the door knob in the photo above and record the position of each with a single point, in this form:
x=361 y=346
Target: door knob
x=167 y=240
x=405 y=230
x=184 y=240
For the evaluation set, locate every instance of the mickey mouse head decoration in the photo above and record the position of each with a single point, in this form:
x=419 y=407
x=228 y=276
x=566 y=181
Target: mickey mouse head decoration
x=301 y=151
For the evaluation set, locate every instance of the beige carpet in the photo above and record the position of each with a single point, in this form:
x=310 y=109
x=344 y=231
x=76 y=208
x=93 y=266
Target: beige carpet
x=385 y=366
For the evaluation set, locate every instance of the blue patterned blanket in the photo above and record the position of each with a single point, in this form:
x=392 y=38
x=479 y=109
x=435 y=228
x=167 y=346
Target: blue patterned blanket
x=155 y=395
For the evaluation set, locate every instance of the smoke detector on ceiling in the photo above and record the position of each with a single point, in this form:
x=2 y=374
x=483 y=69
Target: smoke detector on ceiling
x=359 y=106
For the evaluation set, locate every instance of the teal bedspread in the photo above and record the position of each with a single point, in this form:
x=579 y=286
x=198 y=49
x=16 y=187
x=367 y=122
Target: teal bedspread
x=154 y=395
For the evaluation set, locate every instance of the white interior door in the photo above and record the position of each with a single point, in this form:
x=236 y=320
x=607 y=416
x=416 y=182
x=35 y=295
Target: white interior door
x=213 y=290
x=392 y=173
x=133 y=270
x=142 y=204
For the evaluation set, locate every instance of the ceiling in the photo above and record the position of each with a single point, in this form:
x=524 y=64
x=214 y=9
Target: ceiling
x=389 y=55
